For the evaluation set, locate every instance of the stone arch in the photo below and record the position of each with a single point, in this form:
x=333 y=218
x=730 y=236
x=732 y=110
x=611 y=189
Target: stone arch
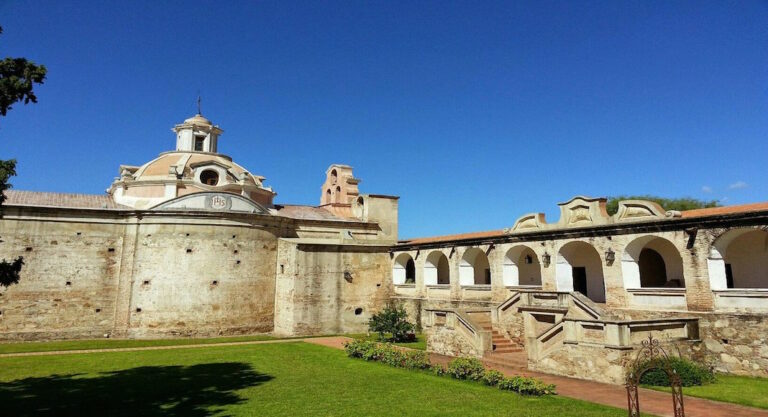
x=403 y=270
x=521 y=267
x=738 y=258
x=436 y=269
x=580 y=268
x=652 y=262
x=474 y=268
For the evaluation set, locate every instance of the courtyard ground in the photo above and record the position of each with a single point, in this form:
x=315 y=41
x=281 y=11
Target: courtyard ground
x=752 y=392
x=274 y=379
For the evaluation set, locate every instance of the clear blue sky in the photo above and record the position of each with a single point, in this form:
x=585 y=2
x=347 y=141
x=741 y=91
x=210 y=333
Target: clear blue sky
x=473 y=113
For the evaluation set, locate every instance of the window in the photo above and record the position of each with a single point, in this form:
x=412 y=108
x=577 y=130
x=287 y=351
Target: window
x=209 y=177
x=199 y=143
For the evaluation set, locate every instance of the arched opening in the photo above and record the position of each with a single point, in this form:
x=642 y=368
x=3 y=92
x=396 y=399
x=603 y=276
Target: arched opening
x=337 y=196
x=739 y=259
x=209 y=177
x=521 y=267
x=334 y=177
x=474 y=268
x=436 y=270
x=652 y=262
x=404 y=270
x=580 y=268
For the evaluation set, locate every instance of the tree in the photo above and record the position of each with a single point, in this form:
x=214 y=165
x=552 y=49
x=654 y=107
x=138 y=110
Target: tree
x=17 y=79
x=679 y=204
x=392 y=320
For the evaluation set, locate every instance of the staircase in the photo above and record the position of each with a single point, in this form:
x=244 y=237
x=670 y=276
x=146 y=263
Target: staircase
x=499 y=342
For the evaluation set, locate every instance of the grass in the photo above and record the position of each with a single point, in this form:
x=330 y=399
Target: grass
x=420 y=343
x=742 y=390
x=23 y=347
x=286 y=379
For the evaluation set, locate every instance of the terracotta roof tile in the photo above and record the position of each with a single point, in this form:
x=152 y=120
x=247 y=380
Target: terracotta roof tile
x=716 y=211
x=38 y=198
x=447 y=238
x=306 y=213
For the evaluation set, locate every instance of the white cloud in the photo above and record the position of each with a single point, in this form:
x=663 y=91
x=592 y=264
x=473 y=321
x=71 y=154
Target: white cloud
x=724 y=200
x=706 y=189
x=738 y=185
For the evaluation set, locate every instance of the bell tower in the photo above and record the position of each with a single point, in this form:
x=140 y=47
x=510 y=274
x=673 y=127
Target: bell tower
x=197 y=134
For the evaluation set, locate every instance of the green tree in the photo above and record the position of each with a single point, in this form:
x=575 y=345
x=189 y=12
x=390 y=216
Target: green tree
x=392 y=320
x=679 y=204
x=17 y=79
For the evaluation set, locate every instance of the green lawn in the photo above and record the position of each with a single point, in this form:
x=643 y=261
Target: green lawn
x=731 y=389
x=420 y=343
x=287 y=379
x=21 y=347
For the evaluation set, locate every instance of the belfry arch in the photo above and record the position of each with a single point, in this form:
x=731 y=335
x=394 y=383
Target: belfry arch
x=474 y=268
x=436 y=269
x=580 y=268
x=739 y=259
x=521 y=267
x=652 y=262
x=403 y=270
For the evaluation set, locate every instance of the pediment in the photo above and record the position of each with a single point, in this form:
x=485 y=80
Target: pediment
x=529 y=222
x=583 y=211
x=214 y=202
x=631 y=210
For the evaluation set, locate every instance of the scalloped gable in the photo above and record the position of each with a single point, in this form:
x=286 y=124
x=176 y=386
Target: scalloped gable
x=212 y=201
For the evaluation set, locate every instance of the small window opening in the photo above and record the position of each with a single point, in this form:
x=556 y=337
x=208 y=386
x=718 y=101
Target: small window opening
x=68 y=284
x=111 y=250
x=358 y=311
x=528 y=259
x=79 y=233
x=282 y=269
x=209 y=177
x=138 y=309
x=146 y=282
x=199 y=140
x=238 y=262
x=189 y=250
x=215 y=282
x=28 y=249
x=236 y=251
x=234 y=236
x=98 y=310
x=187 y=234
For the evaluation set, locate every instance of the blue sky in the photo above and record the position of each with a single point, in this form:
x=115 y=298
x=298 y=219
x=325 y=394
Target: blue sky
x=474 y=113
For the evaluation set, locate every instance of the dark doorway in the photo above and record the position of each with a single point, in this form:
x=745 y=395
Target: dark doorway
x=728 y=276
x=410 y=272
x=653 y=270
x=580 y=279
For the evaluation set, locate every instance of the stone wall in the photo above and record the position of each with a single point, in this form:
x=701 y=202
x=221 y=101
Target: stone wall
x=329 y=289
x=446 y=340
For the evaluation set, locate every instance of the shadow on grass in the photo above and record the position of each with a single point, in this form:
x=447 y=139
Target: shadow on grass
x=145 y=391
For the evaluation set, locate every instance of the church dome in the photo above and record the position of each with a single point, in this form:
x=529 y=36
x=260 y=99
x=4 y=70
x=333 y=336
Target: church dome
x=198 y=119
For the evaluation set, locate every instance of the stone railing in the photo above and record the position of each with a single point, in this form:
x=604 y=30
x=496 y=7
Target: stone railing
x=444 y=325
x=660 y=298
x=625 y=334
x=741 y=299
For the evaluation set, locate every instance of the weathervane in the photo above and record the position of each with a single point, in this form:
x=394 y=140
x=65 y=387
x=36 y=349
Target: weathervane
x=198 y=105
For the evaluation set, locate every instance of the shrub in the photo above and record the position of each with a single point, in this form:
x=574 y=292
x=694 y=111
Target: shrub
x=438 y=370
x=466 y=368
x=386 y=353
x=690 y=372
x=492 y=377
x=393 y=320
x=526 y=386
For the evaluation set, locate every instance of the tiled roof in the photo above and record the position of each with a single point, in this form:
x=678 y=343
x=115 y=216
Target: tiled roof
x=305 y=213
x=38 y=198
x=447 y=238
x=714 y=211
x=717 y=211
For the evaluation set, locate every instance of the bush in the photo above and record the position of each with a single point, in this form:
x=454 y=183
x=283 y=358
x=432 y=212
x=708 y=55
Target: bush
x=526 y=386
x=386 y=353
x=466 y=368
x=492 y=377
x=392 y=320
x=690 y=372
x=459 y=368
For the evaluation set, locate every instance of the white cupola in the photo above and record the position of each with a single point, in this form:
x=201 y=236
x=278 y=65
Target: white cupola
x=197 y=134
